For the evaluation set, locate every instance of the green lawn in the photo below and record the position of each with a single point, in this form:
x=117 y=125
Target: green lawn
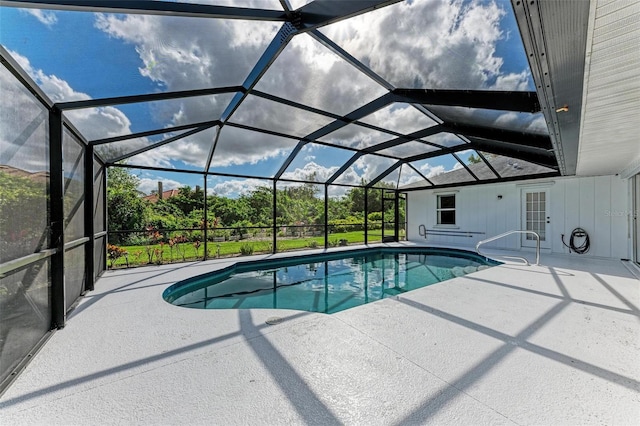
x=162 y=253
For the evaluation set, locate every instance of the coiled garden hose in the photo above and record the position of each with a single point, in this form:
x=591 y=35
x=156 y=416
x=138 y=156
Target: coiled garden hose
x=576 y=234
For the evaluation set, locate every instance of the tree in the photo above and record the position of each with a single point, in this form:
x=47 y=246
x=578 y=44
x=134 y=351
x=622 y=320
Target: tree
x=374 y=198
x=188 y=200
x=23 y=201
x=260 y=203
x=125 y=208
x=473 y=159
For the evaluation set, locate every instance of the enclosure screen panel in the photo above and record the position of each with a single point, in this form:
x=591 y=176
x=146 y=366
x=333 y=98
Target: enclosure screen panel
x=24 y=171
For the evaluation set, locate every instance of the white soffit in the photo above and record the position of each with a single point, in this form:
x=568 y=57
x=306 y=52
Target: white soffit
x=610 y=124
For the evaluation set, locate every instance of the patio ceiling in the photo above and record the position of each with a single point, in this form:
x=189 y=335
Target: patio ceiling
x=413 y=94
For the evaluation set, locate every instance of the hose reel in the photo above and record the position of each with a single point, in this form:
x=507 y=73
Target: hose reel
x=576 y=235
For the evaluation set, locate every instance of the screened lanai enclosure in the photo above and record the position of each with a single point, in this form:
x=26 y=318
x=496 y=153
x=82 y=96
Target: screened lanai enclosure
x=230 y=98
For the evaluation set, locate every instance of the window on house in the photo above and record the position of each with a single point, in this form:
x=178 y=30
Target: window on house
x=446 y=209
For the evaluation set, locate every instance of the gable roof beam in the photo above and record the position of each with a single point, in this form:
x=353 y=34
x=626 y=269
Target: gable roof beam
x=289 y=160
x=149 y=97
x=355 y=115
x=271 y=53
x=484 y=182
x=430 y=131
x=420 y=173
x=344 y=167
x=331 y=45
x=25 y=79
x=319 y=13
x=295 y=104
x=384 y=174
x=155 y=145
x=533 y=155
x=482 y=157
x=532 y=140
x=148 y=7
x=363 y=111
x=207 y=165
x=152 y=132
x=464 y=165
x=485 y=99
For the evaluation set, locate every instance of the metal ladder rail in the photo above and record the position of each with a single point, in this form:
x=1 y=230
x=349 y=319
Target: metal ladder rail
x=488 y=240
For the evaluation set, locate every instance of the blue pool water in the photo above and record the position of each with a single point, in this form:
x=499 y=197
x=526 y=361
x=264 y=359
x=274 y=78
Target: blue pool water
x=325 y=283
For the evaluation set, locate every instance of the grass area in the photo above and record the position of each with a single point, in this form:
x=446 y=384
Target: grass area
x=163 y=253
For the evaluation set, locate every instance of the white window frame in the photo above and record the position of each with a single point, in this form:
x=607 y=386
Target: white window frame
x=439 y=209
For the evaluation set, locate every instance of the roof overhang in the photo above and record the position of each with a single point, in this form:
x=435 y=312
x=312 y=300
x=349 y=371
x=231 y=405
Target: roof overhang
x=585 y=59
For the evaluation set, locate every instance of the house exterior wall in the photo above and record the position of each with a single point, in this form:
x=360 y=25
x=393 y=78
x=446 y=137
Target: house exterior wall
x=597 y=204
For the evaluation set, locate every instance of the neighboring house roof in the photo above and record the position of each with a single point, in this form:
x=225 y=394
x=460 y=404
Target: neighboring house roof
x=14 y=171
x=153 y=198
x=505 y=166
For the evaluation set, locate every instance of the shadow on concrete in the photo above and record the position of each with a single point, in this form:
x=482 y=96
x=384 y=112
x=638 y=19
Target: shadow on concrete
x=304 y=400
x=434 y=404
x=620 y=297
x=89 y=299
x=134 y=364
x=633 y=311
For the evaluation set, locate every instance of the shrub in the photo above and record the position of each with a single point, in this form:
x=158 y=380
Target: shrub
x=246 y=249
x=312 y=244
x=114 y=253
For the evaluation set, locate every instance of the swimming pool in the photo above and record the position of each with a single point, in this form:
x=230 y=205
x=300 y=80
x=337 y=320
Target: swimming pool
x=326 y=283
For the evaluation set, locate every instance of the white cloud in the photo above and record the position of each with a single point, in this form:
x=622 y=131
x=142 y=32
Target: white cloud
x=45 y=17
x=367 y=167
x=93 y=123
x=440 y=44
x=310 y=169
x=513 y=81
x=409 y=176
x=538 y=125
x=182 y=54
x=309 y=73
x=430 y=171
x=355 y=136
x=235 y=188
x=401 y=118
x=23 y=127
x=187 y=53
x=57 y=89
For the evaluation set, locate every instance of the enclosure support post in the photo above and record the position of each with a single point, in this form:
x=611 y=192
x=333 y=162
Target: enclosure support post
x=206 y=218
x=56 y=218
x=382 y=211
x=366 y=215
x=105 y=211
x=275 y=228
x=396 y=217
x=89 y=231
x=326 y=216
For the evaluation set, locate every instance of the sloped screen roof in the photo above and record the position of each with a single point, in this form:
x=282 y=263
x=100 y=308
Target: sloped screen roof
x=418 y=94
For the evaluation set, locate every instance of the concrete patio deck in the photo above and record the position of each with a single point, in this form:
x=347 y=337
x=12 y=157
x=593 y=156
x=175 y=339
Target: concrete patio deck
x=551 y=344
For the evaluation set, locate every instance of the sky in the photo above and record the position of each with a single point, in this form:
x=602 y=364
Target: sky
x=441 y=44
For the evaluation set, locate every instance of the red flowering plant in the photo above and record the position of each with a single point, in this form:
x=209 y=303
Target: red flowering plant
x=154 y=238
x=114 y=253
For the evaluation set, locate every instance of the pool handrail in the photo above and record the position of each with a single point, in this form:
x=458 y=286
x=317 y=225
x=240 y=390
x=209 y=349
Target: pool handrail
x=515 y=231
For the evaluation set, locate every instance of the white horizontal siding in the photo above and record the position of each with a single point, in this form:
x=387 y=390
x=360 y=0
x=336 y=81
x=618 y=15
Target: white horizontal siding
x=597 y=204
